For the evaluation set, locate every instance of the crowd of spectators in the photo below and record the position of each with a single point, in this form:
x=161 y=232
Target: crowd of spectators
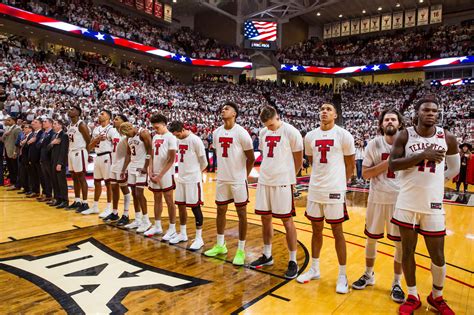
x=403 y=45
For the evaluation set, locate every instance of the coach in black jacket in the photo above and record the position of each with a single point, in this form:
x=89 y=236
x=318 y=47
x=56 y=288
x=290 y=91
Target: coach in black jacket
x=23 y=148
x=34 y=152
x=59 y=147
x=45 y=159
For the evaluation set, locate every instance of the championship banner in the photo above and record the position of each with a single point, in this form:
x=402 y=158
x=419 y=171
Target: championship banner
x=167 y=13
x=149 y=6
x=410 y=18
x=355 y=27
x=336 y=29
x=158 y=10
x=327 y=31
x=436 y=14
x=375 y=23
x=140 y=5
x=346 y=28
x=397 y=20
x=423 y=14
x=365 y=26
x=386 y=22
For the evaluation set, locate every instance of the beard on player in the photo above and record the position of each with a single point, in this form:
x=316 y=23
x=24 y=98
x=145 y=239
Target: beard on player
x=390 y=130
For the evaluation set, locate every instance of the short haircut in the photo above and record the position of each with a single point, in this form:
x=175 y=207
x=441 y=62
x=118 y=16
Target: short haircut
x=38 y=119
x=123 y=117
x=391 y=111
x=60 y=122
x=234 y=106
x=77 y=108
x=176 y=126
x=108 y=113
x=430 y=98
x=158 y=119
x=267 y=113
x=48 y=119
x=329 y=103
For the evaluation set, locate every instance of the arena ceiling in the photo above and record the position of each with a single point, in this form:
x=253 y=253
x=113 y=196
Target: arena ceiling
x=329 y=10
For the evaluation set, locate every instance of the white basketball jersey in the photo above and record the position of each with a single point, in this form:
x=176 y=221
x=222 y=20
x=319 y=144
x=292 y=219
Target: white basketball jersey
x=384 y=187
x=137 y=153
x=328 y=175
x=231 y=160
x=76 y=139
x=119 y=154
x=108 y=144
x=189 y=151
x=162 y=144
x=422 y=186
x=278 y=166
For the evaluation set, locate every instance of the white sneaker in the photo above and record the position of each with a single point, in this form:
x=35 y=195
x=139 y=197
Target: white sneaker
x=309 y=275
x=342 y=287
x=178 y=238
x=105 y=213
x=154 y=230
x=135 y=224
x=90 y=211
x=197 y=244
x=144 y=226
x=169 y=235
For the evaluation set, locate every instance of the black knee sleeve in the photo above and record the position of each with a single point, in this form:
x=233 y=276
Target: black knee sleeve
x=198 y=215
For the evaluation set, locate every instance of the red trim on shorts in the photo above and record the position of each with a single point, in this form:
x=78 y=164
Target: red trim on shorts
x=404 y=224
x=223 y=203
x=284 y=216
x=430 y=233
x=200 y=202
x=84 y=169
x=373 y=236
x=262 y=212
x=108 y=180
x=394 y=238
x=98 y=179
x=173 y=186
x=141 y=184
x=179 y=203
x=241 y=204
x=336 y=221
x=313 y=219
x=120 y=181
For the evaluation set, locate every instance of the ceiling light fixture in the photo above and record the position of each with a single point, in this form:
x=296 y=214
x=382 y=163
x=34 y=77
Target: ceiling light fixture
x=379 y=9
x=340 y=15
x=363 y=11
x=421 y=1
x=398 y=5
x=318 y=14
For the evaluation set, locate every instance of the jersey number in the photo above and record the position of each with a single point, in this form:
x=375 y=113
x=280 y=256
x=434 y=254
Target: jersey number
x=71 y=138
x=324 y=146
x=426 y=164
x=390 y=173
x=133 y=151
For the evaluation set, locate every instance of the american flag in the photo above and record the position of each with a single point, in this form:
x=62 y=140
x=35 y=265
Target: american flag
x=259 y=30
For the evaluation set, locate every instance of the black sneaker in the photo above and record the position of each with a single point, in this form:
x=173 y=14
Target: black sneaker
x=397 y=293
x=111 y=217
x=364 y=281
x=64 y=204
x=124 y=220
x=262 y=261
x=82 y=207
x=73 y=205
x=292 y=270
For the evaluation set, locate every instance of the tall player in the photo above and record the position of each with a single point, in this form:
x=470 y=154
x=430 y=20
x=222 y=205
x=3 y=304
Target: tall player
x=79 y=139
x=235 y=159
x=137 y=163
x=161 y=181
x=282 y=151
x=420 y=154
x=117 y=183
x=104 y=141
x=383 y=194
x=192 y=162
x=331 y=152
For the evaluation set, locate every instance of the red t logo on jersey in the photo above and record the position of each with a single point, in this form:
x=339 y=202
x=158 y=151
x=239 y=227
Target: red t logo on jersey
x=182 y=151
x=115 y=142
x=271 y=144
x=225 y=144
x=324 y=146
x=390 y=173
x=158 y=143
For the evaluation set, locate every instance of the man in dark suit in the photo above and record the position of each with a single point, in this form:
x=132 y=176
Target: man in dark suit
x=45 y=160
x=34 y=152
x=59 y=147
x=23 y=148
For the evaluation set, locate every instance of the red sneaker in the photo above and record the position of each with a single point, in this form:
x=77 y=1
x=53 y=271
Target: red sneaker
x=440 y=305
x=411 y=304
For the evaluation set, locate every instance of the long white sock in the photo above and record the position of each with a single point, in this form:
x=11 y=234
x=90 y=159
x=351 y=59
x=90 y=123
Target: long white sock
x=158 y=224
x=397 y=278
x=241 y=245
x=108 y=206
x=292 y=255
x=220 y=239
x=369 y=270
x=315 y=263
x=267 y=250
x=95 y=204
x=146 y=218
x=138 y=215
x=182 y=230
x=172 y=227
x=342 y=270
x=198 y=233
x=114 y=211
x=413 y=291
x=126 y=201
x=439 y=275
x=79 y=200
x=125 y=213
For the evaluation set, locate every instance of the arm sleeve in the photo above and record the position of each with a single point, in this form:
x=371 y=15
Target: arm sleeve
x=453 y=164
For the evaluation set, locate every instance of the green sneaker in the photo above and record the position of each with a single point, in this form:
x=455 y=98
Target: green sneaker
x=239 y=259
x=216 y=250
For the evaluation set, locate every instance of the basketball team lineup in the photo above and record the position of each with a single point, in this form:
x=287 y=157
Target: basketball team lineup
x=397 y=249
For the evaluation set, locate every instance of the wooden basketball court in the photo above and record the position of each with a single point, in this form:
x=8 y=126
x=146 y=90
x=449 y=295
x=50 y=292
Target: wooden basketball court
x=189 y=282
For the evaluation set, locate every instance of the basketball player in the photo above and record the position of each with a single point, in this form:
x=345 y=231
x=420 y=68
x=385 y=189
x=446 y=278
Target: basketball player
x=191 y=163
x=104 y=141
x=137 y=162
x=161 y=181
x=235 y=158
x=331 y=152
x=119 y=153
x=282 y=151
x=79 y=139
x=381 y=203
x=420 y=154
